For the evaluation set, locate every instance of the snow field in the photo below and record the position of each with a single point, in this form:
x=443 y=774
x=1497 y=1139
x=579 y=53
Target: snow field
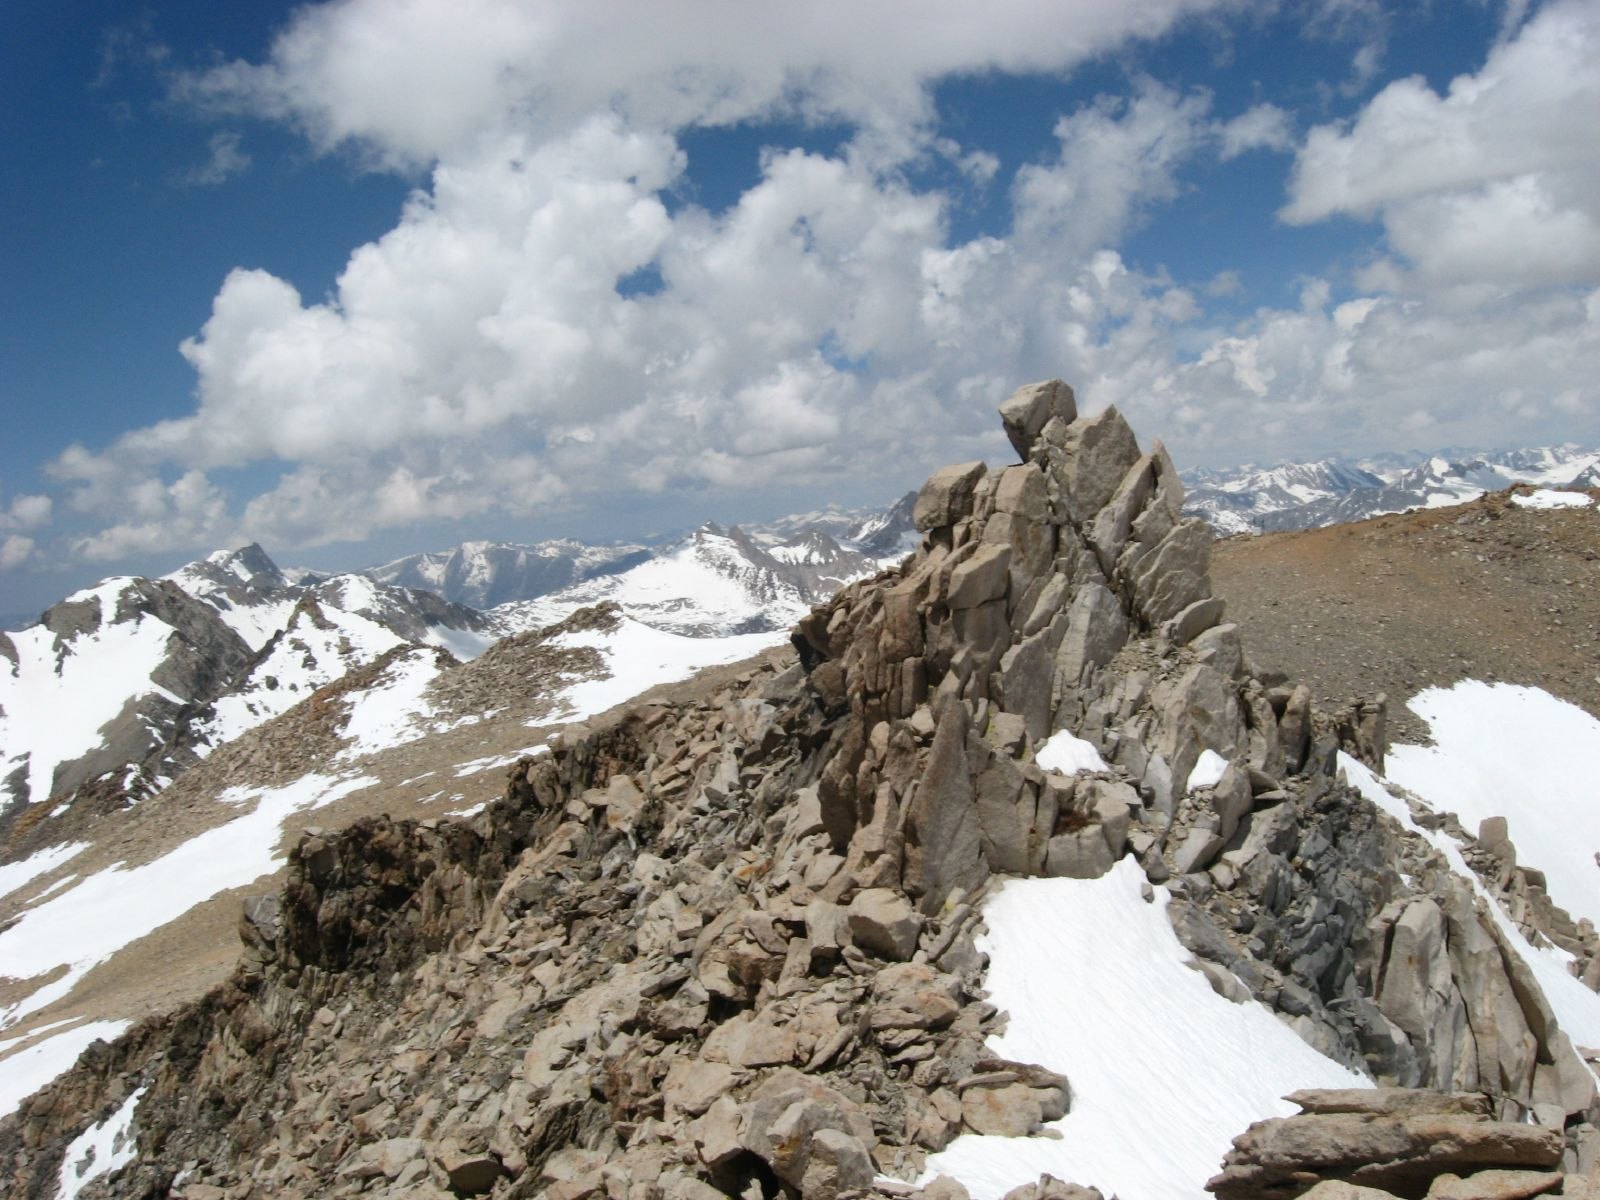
x=394 y=710
x=1546 y=498
x=705 y=581
x=640 y=657
x=1165 y=1073
x=28 y=1070
x=463 y=643
x=53 y=715
x=305 y=658
x=1519 y=753
x=19 y=874
x=99 y=1149
x=254 y=623
x=87 y=924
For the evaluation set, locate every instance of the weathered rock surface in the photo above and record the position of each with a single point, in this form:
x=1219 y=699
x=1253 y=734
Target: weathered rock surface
x=723 y=944
x=1401 y=1143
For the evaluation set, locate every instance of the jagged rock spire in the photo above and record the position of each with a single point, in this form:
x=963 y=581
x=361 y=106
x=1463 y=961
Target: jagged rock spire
x=1029 y=581
x=723 y=941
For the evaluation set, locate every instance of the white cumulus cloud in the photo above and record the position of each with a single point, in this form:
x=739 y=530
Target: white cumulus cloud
x=15 y=549
x=490 y=356
x=414 y=81
x=1497 y=180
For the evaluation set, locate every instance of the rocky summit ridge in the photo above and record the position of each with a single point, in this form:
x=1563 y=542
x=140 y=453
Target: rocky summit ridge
x=726 y=943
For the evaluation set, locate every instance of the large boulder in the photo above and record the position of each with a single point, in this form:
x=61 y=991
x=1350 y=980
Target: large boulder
x=947 y=496
x=1031 y=407
x=1097 y=453
x=1399 y=1144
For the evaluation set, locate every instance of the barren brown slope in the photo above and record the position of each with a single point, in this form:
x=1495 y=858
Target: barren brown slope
x=493 y=709
x=1487 y=590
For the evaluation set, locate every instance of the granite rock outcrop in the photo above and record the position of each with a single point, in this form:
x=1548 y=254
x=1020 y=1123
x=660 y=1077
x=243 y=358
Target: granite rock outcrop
x=723 y=944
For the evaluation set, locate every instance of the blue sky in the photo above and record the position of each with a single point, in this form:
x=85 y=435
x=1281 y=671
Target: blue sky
x=363 y=278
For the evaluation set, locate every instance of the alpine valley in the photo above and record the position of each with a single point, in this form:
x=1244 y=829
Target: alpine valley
x=1020 y=839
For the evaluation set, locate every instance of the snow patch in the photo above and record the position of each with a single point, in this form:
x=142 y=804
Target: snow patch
x=28 y=1070
x=14 y=875
x=394 y=710
x=1545 y=498
x=1097 y=989
x=61 y=884
x=1208 y=770
x=478 y=765
x=99 y=1149
x=1069 y=755
x=463 y=643
x=639 y=657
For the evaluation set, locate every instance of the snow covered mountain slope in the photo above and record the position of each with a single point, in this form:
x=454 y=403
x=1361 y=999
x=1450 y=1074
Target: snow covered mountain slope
x=1315 y=494
x=122 y=686
x=882 y=533
x=715 y=583
x=483 y=574
x=1238 y=501
x=102 y=683
x=411 y=733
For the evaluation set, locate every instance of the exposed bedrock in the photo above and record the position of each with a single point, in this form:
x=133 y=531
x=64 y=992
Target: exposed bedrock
x=725 y=941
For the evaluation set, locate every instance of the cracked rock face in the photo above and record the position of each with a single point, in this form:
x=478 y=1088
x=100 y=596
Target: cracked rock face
x=722 y=944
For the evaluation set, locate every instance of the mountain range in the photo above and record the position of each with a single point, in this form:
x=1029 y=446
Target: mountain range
x=120 y=687
x=981 y=847
x=1329 y=492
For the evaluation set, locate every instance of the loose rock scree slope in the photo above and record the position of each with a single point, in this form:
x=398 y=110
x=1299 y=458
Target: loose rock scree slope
x=723 y=943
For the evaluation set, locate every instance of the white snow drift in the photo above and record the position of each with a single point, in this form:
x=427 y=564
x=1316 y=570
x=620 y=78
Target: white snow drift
x=1519 y=753
x=1165 y=1073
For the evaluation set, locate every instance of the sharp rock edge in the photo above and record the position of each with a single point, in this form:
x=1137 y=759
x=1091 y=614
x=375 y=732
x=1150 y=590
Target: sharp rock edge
x=722 y=944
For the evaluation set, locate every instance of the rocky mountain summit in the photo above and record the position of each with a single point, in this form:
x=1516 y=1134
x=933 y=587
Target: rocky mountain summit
x=732 y=941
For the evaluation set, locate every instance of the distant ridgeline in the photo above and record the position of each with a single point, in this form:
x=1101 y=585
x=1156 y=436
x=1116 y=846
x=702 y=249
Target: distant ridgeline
x=1314 y=494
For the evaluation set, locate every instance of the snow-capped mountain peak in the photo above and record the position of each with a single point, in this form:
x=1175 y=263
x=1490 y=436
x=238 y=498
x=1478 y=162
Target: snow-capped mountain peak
x=1311 y=494
x=141 y=676
x=483 y=574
